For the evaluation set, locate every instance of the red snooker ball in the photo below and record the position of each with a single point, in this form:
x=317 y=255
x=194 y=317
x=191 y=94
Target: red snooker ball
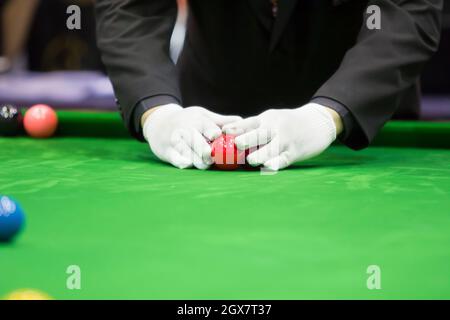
x=40 y=121
x=225 y=154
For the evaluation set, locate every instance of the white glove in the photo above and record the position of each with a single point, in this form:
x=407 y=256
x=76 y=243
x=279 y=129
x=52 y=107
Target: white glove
x=180 y=136
x=284 y=136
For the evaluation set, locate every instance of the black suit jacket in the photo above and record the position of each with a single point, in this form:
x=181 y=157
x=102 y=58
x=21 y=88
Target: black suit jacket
x=238 y=60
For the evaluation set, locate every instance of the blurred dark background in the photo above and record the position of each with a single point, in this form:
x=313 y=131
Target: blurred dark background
x=34 y=35
x=34 y=38
x=436 y=78
x=36 y=30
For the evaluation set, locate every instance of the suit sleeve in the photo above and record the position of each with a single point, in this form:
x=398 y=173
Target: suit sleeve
x=383 y=63
x=134 y=39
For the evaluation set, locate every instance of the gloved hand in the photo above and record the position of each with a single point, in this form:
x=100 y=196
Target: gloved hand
x=284 y=136
x=180 y=136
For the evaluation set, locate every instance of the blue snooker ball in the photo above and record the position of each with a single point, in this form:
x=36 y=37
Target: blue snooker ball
x=11 y=218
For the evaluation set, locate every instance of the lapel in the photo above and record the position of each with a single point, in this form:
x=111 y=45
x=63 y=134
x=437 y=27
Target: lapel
x=284 y=13
x=258 y=7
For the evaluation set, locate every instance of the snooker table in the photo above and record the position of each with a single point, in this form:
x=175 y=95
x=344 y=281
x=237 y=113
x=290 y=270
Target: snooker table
x=141 y=229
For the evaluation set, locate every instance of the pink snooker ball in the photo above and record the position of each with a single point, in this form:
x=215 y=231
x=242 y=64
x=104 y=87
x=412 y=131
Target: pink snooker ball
x=40 y=121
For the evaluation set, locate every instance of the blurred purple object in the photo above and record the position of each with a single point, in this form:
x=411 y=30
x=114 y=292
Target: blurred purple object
x=435 y=108
x=93 y=90
x=77 y=90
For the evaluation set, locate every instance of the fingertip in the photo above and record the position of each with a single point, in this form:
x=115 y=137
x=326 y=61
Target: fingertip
x=201 y=166
x=206 y=157
x=233 y=129
x=213 y=134
x=183 y=165
x=271 y=166
x=180 y=161
x=228 y=130
x=252 y=160
x=276 y=164
x=241 y=143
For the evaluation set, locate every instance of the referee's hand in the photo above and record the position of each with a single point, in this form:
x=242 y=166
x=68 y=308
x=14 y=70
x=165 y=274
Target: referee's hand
x=281 y=137
x=181 y=136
